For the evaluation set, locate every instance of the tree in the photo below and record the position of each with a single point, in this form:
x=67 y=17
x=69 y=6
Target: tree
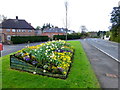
x=115 y=20
x=115 y=16
x=2 y=18
x=38 y=27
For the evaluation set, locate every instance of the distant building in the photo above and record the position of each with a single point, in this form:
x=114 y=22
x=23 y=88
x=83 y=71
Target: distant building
x=38 y=32
x=15 y=27
x=70 y=31
x=50 y=32
x=92 y=34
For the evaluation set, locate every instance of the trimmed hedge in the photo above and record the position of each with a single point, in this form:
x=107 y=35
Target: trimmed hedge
x=69 y=37
x=25 y=39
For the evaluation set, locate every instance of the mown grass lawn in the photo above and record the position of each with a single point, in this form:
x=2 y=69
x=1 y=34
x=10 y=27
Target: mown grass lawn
x=81 y=74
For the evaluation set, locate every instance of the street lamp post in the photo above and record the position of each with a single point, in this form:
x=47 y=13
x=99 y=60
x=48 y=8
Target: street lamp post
x=66 y=6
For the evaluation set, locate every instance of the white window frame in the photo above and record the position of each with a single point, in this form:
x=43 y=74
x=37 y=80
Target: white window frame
x=13 y=30
x=23 y=30
x=0 y=29
x=29 y=30
x=18 y=30
x=8 y=37
x=7 y=30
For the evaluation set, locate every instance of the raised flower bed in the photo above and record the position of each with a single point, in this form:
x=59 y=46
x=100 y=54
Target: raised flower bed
x=52 y=58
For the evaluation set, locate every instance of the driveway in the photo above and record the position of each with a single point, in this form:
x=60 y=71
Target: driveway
x=105 y=67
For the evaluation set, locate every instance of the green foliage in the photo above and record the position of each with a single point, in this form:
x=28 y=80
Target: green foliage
x=69 y=37
x=38 y=27
x=115 y=16
x=115 y=34
x=101 y=33
x=81 y=74
x=53 y=54
x=25 y=39
x=115 y=20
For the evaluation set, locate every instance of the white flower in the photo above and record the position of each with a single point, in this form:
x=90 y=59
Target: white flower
x=34 y=72
x=44 y=70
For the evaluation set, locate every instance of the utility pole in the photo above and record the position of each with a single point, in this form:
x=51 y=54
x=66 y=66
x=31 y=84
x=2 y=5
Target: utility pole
x=66 y=7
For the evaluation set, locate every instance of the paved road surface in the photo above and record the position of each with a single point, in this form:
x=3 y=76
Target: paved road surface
x=7 y=49
x=105 y=67
x=108 y=47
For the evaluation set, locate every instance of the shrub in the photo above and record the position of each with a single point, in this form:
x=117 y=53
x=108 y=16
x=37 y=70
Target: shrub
x=25 y=39
x=69 y=37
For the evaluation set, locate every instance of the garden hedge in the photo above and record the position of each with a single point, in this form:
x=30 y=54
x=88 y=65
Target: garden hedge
x=25 y=39
x=69 y=37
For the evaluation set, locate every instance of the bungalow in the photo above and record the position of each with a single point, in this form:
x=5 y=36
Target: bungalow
x=15 y=27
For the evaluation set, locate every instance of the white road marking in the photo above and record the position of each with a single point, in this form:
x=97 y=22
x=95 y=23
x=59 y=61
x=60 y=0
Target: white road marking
x=106 y=53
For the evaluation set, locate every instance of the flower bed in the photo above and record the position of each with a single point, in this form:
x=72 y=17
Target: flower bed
x=52 y=58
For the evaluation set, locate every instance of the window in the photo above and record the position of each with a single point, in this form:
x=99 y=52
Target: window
x=13 y=30
x=18 y=30
x=0 y=30
x=8 y=37
x=61 y=29
x=23 y=30
x=8 y=30
x=29 y=30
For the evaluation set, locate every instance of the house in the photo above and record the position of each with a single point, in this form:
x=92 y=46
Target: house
x=50 y=32
x=70 y=31
x=38 y=32
x=92 y=34
x=15 y=27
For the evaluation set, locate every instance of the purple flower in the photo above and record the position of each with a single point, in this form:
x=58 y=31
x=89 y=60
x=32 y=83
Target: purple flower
x=60 y=69
x=34 y=62
x=60 y=50
x=27 y=58
x=68 y=51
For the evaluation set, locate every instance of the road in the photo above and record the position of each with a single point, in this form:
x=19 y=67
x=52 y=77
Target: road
x=7 y=49
x=109 y=48
x=105 y=67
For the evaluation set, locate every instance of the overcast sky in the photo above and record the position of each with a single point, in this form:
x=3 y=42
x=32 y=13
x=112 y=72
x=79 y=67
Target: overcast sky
x=94 y=14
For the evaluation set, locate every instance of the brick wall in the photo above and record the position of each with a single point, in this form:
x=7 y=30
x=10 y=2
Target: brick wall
x=16 y=32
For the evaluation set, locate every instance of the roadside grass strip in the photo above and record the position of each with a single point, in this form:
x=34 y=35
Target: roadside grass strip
x=81 y=74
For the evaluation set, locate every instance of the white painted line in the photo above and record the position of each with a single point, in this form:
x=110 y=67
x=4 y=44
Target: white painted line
x=106 y=53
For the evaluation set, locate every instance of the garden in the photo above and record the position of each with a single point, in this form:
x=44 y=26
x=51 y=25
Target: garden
x=52 y=58
x=65 y=60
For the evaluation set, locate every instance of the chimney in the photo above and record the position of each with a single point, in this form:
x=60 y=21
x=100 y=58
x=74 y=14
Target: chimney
x=16 y=17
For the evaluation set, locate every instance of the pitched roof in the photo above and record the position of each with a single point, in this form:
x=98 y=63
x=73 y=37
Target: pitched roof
x=55 y=30
x=15 y=24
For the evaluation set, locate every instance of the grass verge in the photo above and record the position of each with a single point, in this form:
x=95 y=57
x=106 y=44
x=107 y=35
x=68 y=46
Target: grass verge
x=81 y=74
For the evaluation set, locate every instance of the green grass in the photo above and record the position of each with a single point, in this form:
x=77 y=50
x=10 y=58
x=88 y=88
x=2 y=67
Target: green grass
x=81 y=74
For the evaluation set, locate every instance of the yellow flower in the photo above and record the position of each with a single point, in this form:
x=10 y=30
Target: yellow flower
x=26 y=54
x=53 y=67
x=64 y=72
